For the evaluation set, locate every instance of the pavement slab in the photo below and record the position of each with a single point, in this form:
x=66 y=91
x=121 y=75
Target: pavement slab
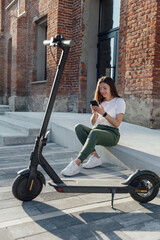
x=68 y=216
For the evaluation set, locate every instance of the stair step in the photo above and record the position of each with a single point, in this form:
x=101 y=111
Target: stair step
x=14 y=131
x=4 y=106
x=19 y=125
x=138 y=147
x=16 y=140
x=133 y=150
x=3 y=109
x=30 y=117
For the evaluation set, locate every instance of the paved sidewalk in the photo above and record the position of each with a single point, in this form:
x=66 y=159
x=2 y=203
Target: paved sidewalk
x=53 y=215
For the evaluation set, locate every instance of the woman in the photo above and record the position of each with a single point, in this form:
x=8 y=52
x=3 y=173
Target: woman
x=108 y=116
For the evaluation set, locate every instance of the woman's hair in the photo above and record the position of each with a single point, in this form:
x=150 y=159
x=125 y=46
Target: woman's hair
x=108 y=80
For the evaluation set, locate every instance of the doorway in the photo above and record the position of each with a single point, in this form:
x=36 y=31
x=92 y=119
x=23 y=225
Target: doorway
x=108 y=38
x=9 y=68
x=108 y=55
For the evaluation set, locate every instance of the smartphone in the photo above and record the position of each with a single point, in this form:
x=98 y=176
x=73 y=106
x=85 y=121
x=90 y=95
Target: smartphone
x=94 y=103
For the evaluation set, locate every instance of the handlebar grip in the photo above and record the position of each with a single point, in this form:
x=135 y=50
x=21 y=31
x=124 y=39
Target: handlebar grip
x=63 y=43
x=46 y=42
x=67 y=43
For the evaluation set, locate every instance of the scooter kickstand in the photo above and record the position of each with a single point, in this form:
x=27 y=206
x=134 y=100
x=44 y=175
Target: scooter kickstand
x=112 y=200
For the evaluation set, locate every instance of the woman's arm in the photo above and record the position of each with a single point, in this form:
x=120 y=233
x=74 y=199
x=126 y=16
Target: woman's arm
x=94 y=118
x=114 y=121
x=94 y=115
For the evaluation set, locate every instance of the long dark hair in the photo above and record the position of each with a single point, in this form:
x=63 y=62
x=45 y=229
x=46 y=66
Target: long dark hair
x=108 y=80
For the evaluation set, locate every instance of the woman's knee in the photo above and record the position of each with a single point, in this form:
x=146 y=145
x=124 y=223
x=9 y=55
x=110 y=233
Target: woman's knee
x=78 y=127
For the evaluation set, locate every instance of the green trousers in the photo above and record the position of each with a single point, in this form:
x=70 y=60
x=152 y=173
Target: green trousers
x=90 y=137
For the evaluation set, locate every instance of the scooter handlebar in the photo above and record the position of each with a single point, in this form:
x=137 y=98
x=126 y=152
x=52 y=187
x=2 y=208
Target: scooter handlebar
x=46 y=42
x=63 y=43
x=67 y=43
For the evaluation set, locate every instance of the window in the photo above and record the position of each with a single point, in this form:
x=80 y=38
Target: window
x=41 y=35
x=9 y=67
x=108 y=38
x=109 y=14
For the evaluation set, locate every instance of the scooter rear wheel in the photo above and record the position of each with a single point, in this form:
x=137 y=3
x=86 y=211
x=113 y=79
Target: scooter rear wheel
x=20 y=191
x=148 y=182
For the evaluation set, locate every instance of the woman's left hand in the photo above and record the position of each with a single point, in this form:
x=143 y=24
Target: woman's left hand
x=99 y=109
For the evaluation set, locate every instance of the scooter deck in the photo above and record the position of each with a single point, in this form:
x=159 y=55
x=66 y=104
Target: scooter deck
x=91 y=186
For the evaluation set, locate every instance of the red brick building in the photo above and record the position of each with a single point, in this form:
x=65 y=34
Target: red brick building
x=112 y=37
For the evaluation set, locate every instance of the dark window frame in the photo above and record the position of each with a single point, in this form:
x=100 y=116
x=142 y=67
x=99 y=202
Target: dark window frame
x=41 y=24
x=111 y=33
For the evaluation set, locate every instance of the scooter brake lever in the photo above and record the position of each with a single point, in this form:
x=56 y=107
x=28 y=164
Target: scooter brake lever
x=46 y=135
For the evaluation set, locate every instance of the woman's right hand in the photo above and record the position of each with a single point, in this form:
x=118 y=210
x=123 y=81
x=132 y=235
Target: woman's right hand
x=94 y=116
x=93 y=110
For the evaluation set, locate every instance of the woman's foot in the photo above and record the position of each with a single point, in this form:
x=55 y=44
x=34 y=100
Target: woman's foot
x=92 y=162
x=71 y=170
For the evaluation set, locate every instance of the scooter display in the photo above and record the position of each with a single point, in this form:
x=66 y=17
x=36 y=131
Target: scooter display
x=143 y=186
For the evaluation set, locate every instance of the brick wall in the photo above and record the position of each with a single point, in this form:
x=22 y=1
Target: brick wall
x=1 y=53
x=79 y=75
x=65 y=18
x=138 y=57
x=63 y=25
x=139 y=60
x=21 y=57
x=156 y=74
x=72 y=92
x=10 y=31
x=122 y=46
x=36 y=91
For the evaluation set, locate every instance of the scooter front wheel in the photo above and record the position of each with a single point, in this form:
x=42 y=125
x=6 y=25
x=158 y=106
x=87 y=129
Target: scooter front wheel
x=20 y=191
x=145 y=182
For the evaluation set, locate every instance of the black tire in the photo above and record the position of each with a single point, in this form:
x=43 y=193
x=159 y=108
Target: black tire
x=19 y=188
x=149 y=182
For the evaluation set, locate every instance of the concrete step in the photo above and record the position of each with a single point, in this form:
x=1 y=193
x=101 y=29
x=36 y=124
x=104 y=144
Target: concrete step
x=2 y=106
x=16 y=140
x=14 y=131
x=9 y=136
x=138 y=147
x=3 y=109
x=30 y=117
x=19 y=125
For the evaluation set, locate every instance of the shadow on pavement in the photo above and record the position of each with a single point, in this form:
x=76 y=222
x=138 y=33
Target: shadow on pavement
x=93 y=224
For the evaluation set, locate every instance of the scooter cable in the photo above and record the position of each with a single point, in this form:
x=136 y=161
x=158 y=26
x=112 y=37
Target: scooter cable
x=53 y=57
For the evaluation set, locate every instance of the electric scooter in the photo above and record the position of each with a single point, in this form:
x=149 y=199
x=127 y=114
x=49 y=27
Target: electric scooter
x=143 y=186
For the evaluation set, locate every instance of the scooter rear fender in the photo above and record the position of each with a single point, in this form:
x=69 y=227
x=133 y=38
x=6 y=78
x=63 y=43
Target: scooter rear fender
x=27 y=171
x=138 y=173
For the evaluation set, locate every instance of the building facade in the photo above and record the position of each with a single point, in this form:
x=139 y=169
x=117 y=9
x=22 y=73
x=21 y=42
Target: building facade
x=118 y=38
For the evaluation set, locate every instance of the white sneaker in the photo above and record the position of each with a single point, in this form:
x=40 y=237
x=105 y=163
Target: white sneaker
x=92 y=162
x=71 y=170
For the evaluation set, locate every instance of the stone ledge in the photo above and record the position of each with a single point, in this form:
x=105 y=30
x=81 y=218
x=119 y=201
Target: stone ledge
x=138 y=147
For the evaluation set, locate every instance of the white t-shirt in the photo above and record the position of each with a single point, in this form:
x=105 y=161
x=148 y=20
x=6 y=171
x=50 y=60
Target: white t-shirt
x=113 y=107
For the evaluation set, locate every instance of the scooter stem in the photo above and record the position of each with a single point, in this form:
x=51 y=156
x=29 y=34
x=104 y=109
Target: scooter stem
x=54 y=89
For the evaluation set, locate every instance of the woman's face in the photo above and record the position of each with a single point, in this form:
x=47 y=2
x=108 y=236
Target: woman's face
x=104 y=89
